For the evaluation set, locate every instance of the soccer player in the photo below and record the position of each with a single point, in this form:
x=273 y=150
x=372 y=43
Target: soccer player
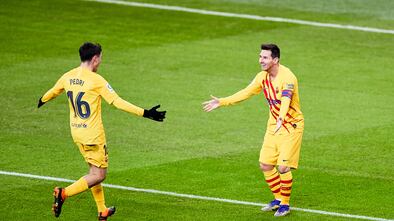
x=281 y=147
x=84 y=89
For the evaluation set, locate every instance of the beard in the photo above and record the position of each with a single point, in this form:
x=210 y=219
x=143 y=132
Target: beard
x=265 y=67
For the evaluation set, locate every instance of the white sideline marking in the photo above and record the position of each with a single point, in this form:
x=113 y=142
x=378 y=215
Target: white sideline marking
x=246 y=16
x=191 y=196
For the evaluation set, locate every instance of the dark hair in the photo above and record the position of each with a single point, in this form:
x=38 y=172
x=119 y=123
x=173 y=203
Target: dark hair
x=275 y=51
x=88 y=50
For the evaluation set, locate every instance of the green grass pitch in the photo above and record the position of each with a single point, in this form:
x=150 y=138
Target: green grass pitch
x=178 y=59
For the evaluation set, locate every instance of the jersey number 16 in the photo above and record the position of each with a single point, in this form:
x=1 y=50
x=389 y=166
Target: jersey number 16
x=80 y=107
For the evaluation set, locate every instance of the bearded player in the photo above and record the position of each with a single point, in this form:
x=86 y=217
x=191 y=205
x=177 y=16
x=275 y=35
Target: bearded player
x=282 y=141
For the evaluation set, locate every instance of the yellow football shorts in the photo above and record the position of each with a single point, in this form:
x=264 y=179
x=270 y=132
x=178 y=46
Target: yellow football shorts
x=95 y=154
x=282 y=149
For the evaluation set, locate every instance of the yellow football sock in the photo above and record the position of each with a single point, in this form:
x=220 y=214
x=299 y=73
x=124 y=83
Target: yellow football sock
x=98 y=195
x=78 y=187
x=273 y=180
x=285 y=189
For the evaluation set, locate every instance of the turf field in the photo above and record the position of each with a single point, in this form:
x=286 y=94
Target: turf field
x=178 y=59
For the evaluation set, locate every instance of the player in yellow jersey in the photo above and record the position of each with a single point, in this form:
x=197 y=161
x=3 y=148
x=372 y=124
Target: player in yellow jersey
x=282 y=141
x=84 y=89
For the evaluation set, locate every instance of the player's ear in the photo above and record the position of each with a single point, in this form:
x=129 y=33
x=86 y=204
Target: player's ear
x=95 y=58
x=276 y=60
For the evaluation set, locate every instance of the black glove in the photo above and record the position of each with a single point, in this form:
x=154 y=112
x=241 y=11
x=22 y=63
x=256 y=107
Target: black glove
x=40 y=103
x=153 y=114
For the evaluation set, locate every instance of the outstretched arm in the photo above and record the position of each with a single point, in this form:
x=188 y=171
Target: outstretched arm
x=112 y=97
x=253 y=88
x=152 y=114
x=52 y=93
x=128 y=107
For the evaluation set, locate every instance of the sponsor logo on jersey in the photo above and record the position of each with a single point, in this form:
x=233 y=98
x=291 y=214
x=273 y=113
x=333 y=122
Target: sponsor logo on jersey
x=273 y=102
x=80 y=125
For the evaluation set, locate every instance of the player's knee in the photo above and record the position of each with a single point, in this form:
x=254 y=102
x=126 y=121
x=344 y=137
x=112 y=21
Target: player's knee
x=266 y=167
x=101 y=177
x=283 y=169
x=98 y=179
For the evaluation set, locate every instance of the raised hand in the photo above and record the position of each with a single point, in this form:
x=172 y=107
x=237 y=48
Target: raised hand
x=153 y=114
x=211 y=104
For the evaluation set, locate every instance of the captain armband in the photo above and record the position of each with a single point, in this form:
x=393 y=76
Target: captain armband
x=287 y=93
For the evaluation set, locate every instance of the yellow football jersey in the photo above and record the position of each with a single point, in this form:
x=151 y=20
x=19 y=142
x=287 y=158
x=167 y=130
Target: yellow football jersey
x=84 y=91
x=282 y=97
